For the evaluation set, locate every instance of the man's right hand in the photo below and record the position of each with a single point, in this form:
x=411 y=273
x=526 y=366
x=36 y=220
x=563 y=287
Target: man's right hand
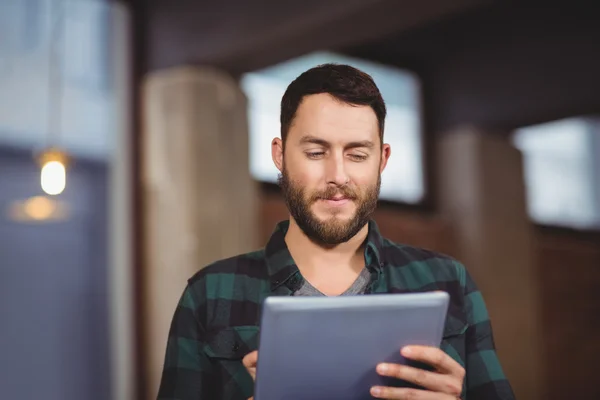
x=249 y=362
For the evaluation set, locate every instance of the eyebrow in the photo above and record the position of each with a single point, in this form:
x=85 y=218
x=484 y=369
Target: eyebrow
x=321 y=142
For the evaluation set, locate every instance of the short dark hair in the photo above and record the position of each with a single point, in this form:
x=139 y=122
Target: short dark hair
x=344 y=82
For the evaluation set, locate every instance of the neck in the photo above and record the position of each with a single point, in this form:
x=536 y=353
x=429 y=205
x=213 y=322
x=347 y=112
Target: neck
x=311 y=257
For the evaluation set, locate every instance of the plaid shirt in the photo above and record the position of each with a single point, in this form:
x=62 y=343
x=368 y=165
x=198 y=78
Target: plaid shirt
x=216 y=321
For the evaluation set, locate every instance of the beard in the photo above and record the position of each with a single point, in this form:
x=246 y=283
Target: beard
x=334 y=230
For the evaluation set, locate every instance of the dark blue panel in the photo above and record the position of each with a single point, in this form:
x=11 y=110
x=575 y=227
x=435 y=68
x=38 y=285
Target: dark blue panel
x=53 y=288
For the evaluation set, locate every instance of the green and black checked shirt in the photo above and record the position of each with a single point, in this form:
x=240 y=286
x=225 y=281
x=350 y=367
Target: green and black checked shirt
x=216 y=321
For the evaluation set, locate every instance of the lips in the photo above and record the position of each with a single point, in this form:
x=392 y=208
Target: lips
x=337 y=201
x=336 y=197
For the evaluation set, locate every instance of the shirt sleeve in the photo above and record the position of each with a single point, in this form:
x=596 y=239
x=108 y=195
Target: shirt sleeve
x=187 y=370
x=485 y=377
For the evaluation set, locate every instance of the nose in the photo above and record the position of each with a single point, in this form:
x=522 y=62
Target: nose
x=336 y=171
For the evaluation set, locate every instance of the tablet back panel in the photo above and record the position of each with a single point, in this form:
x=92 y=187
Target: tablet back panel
x=328 y=347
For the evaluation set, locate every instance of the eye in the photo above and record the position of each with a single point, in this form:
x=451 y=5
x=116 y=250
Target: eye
x=358 y=157
x=315 y=154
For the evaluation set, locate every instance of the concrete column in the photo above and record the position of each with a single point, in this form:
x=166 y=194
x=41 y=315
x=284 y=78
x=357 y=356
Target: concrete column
x=481 y=189
x=200 y=200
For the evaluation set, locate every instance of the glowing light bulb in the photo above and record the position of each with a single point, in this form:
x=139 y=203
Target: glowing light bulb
x=54 y=171
x=53 y=177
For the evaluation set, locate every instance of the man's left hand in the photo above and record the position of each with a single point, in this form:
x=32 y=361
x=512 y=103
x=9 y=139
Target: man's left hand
x=445 y=383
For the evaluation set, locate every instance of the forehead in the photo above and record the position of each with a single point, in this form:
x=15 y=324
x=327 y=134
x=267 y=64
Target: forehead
x=323 y=116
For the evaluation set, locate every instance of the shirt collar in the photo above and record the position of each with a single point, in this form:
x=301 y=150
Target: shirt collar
x=281 y=266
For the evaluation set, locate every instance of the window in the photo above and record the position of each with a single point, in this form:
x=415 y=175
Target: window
x=79 y=94
x=402 y=181
x=85 y=44
x=562 y=174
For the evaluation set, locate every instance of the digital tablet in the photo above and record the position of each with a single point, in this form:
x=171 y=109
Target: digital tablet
x=327 y=348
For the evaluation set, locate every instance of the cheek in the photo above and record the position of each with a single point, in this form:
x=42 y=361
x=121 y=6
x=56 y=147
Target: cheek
x=306 y=173
x=310 y=184
x=365 y=177
x=312 y=177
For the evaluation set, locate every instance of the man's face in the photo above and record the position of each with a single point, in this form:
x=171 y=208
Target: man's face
x=331 y=168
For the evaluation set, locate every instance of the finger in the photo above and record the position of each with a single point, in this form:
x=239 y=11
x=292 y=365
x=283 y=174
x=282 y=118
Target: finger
x=429 y=380
x=250 y=359
x=392 y=393
x=434 y=357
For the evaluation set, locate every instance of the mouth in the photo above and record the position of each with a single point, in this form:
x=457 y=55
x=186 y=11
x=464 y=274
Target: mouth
x=337 y=201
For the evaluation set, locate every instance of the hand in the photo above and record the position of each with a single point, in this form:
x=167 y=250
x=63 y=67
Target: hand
x=249 y=362
x=444 y=384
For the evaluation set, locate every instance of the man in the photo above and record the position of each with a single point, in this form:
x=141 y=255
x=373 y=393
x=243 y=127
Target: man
x=331 y=154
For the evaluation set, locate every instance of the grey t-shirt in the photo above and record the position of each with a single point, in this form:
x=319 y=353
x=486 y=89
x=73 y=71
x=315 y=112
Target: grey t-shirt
x=358 y=287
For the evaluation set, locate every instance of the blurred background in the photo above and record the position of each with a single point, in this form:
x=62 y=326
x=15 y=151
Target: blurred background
x=135 y=149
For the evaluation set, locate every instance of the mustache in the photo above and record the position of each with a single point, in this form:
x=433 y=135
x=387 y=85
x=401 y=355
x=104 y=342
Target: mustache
x=332 y=192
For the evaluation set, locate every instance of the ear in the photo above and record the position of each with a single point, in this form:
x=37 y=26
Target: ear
x=277 y=153
x=386 y=151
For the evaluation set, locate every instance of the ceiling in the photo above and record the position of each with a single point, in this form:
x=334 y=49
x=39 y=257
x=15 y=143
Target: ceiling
x=498 y=64
x=241 y=36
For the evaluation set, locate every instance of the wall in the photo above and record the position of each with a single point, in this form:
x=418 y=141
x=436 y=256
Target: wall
x=53 y=303
x=569 y=272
